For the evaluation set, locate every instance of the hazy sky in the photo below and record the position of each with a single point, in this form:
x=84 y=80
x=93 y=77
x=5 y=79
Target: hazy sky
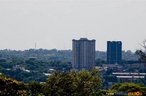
x=54 y=23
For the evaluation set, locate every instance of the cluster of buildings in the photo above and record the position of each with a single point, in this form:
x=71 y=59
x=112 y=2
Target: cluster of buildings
x=84 y=53
x=113 y=71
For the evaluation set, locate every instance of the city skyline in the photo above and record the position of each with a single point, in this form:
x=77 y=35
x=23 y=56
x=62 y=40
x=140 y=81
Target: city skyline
x=54 y=23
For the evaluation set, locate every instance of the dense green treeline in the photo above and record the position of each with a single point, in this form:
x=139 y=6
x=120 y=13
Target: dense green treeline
x=32 y=68
x=35 y=63
x=54 y=54
x=30 y=72
x=83 y=83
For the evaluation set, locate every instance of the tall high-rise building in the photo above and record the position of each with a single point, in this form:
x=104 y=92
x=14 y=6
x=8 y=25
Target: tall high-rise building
x=114 y=52
x=83 y=54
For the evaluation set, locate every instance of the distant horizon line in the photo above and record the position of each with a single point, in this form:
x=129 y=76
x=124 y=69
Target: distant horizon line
x=51 y=49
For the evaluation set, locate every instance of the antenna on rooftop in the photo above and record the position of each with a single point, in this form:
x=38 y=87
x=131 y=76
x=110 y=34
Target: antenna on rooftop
x=35 y=45
x=86 y=34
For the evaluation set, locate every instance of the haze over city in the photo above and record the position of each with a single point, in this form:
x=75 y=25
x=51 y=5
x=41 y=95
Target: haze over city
x=54 y=23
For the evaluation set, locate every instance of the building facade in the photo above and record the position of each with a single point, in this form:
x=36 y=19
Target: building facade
x=114 y=52
x=83 y=54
